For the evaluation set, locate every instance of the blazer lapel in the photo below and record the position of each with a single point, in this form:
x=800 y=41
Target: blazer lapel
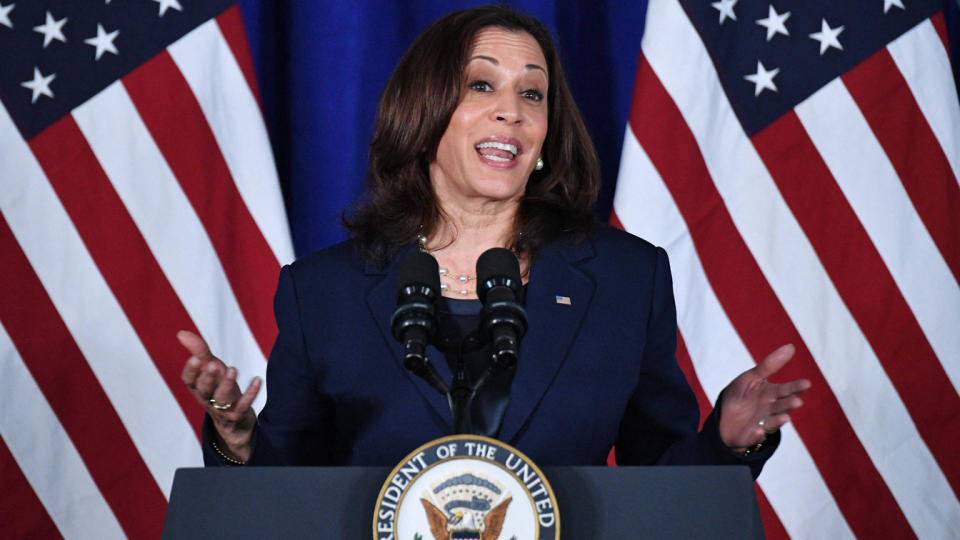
x=558 y=296
x=382 y=302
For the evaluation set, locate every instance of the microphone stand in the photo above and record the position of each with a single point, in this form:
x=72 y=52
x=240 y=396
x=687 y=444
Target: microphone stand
x=461 y=395
x=462 y=391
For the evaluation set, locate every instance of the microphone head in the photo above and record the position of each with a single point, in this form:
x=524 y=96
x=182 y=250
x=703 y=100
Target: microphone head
x=498 y=267
x=418 y=269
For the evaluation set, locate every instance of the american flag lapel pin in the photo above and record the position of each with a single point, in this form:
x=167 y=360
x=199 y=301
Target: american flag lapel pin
x=564 y=300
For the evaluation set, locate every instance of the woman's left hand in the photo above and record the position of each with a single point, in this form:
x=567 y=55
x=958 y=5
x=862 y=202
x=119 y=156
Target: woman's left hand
x=753 y=407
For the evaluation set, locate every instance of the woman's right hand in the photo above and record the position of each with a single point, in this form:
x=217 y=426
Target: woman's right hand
x=215 y=387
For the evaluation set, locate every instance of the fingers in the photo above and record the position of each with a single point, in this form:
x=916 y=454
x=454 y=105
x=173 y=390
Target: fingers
x=793 y=388
x=246 y=400
x=214 y=385
x=778 y=415
x=774 y=361
x=202 y=371
x=785 y=405
x=209 y=379
x=196 y=345
x=226 y=390
x=773 y=422
x=191 y=370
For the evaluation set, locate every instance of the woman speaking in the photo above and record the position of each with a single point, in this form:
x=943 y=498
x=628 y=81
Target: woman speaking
x=478 y=144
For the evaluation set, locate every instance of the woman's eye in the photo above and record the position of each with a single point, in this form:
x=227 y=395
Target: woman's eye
x=480 y=86
x=533 y=95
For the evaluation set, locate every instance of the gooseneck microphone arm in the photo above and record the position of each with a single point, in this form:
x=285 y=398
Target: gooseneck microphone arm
x=503 y=320
x=415 y=321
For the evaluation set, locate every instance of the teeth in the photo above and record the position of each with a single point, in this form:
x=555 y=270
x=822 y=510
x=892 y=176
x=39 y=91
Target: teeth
x=499 y=146
x=497 y=158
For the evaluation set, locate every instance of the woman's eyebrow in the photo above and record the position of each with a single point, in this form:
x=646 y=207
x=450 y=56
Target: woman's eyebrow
x=497 y=63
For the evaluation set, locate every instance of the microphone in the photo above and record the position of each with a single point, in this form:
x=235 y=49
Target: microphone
x=414 y=323
x=503 y=319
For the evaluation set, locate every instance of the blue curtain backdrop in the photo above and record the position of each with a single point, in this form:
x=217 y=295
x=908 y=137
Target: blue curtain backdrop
x=321 y=66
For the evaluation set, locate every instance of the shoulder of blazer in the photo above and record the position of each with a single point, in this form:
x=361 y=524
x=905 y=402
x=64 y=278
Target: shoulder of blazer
x=331 y=257
x=610 y=240
x=605 y=245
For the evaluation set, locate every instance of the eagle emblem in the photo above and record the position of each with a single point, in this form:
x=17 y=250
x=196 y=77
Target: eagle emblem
x=466 y=507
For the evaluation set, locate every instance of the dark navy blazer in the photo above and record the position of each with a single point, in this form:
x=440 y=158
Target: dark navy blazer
x=596 y=373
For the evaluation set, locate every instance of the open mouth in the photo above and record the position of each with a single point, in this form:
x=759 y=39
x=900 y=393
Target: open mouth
x=498 y=151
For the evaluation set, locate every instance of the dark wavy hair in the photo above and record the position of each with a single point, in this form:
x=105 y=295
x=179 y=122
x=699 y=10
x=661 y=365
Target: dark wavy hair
x=415 y=109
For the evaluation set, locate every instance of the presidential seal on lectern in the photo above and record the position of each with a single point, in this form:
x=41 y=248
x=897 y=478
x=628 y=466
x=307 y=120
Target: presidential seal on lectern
x=466 y=487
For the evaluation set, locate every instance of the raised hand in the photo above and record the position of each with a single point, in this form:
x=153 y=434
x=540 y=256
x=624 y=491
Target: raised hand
x=753 y=407
x=215 y=387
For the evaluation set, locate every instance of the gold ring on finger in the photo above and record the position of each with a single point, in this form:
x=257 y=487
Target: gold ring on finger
x=220 y=405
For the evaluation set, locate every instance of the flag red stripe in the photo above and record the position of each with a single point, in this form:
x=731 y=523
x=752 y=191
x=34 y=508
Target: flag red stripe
x=75 y=395
x=119 y=251
x=175 y=120
x=772 y=526
x=756 y=313
x=940 y=25
x=864 y=282
x=231 y=26
x=885 y=99
x=23 y=514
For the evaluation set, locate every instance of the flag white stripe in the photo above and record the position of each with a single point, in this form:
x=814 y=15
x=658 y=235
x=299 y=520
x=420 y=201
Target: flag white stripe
x=234 y=116
x=798 y=494
x=796 y=275
x=923 y=61
x=871 y=186
x=170 y=226
x=137 y=392
x=46 y=455
x=791 y=480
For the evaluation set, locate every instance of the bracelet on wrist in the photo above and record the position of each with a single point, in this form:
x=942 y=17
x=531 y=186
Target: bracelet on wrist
x=750 y=450
x=230 y=461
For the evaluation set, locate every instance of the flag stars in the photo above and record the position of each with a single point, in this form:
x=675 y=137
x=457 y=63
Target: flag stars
x=725 y=7
x=103 y=41
x=51 y=30
x=40 y=85
x=775 y=23
x=762 y=79
x=5 y=15
x=167 y=4
x=887 y=4
x=827 y=36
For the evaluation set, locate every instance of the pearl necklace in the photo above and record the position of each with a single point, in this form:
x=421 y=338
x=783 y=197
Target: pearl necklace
x=462 y=279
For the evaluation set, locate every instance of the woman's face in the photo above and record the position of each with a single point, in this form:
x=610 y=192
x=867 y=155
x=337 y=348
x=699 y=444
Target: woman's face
x=496 y=132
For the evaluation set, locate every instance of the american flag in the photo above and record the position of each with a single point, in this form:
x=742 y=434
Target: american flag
x=800 y=161
x=138 y=196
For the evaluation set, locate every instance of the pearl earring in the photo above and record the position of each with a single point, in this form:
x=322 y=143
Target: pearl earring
x=540 y=164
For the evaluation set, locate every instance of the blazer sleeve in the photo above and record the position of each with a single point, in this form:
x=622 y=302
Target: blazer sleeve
x=660 y=423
